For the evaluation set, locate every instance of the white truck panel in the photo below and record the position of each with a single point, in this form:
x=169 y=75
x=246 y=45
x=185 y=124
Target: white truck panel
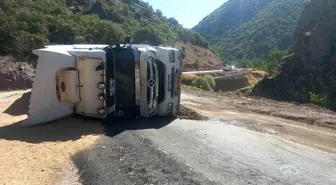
x=89 y=78
x=44 y=105
x=162 y=54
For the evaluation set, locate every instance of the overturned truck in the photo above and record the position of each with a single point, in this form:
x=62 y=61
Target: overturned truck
x=105 y=82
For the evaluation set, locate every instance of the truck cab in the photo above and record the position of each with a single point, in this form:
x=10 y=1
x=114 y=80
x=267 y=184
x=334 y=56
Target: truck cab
x=166 y=65
x=148 y=81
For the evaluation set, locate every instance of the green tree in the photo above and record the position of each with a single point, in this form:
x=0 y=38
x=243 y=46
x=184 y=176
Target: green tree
x=147 y=36
x=274 y=59
x=62 y=36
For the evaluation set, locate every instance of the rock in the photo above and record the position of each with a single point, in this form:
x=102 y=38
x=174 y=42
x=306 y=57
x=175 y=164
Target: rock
x=15 y=75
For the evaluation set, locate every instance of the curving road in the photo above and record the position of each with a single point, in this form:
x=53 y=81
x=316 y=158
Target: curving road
x=160 y=151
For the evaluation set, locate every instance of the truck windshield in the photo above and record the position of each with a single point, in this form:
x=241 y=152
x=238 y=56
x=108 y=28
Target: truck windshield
x=121 y=70
x=125 y=81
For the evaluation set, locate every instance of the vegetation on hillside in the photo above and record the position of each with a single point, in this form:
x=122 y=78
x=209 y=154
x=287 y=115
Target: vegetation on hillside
x=250 y=29
x=270 y=64
x=229 y=17
x=29 y=24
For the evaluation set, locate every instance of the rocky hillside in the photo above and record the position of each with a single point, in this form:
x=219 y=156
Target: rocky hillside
x=309 y=73
x=199 y=59
x=15 y=74
x=248 y=29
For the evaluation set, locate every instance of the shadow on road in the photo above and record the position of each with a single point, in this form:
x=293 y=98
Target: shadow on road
x=68 y=128
x=75 y=127
x=19 y=106
x=118 y=126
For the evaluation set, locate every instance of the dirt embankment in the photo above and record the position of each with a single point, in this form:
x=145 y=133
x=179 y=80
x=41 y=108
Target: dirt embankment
x=305 y=113
x=15 y=75
x=199 y=59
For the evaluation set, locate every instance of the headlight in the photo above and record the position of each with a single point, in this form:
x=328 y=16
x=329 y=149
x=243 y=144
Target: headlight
x=169 y=108
x=101 y=97
x=101 y=111
x=101 y=85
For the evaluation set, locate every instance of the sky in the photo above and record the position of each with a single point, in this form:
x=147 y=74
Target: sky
x=186 y=12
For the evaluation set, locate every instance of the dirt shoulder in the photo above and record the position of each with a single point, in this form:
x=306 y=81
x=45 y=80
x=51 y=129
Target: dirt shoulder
x=305 y=113
x=232 y=110
x=199 y=59
x=42 y=154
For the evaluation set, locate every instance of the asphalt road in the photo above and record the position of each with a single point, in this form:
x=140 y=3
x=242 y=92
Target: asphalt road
x=163 y=151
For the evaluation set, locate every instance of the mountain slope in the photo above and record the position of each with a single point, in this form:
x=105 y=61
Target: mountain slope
x=308 y=74
x=199 y=59
x=262 y=26
x=25 y=25
x=229 y=16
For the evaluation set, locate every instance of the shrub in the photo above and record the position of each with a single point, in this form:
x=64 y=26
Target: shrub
x=201 y=83
x=211 y=81
x=182 y=49
x=197 y=62
x=319 y=99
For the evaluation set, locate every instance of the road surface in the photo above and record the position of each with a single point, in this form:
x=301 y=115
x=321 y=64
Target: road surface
x=162 y=151
x=200 y=152
x=222 y=108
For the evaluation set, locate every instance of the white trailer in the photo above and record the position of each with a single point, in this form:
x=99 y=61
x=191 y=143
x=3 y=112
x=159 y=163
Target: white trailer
x=104 y=82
